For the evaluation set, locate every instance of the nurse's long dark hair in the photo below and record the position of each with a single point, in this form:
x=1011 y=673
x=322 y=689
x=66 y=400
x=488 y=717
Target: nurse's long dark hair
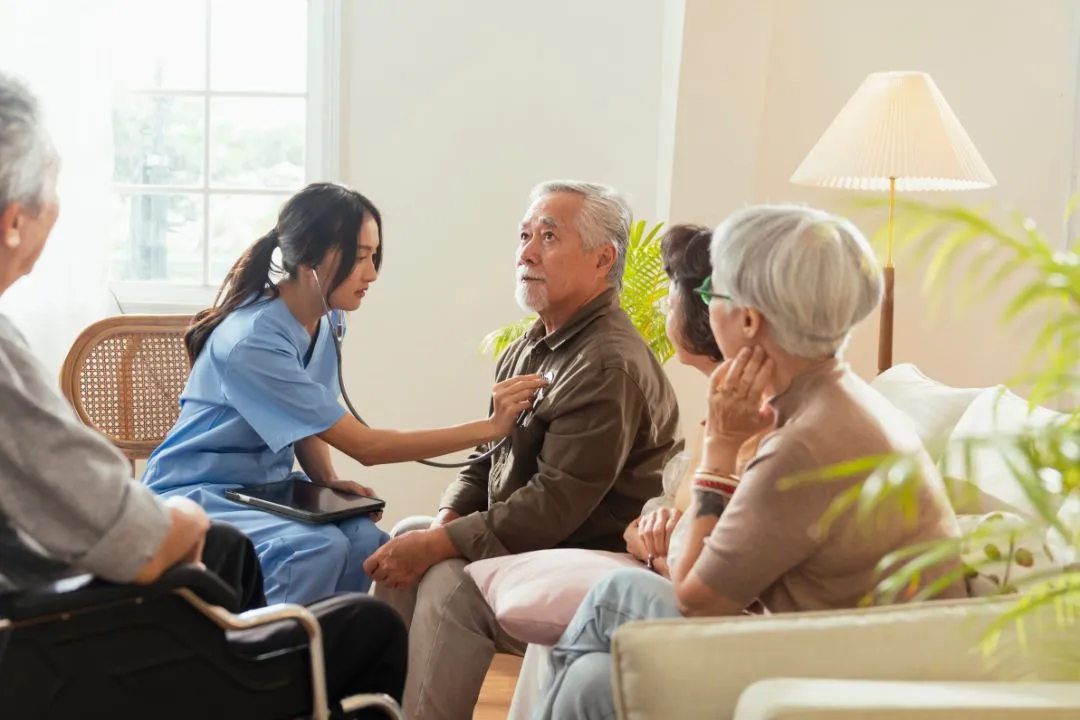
x=319 y=218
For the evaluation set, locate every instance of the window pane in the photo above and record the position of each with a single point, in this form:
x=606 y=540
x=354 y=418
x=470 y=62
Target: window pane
x=158 y=140
x=258 y=45
x=160 y=44
x=257 y=142
x=157 y=237
x=236 y=221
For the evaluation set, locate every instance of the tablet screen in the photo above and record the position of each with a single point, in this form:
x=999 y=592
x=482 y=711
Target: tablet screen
x=309 y=497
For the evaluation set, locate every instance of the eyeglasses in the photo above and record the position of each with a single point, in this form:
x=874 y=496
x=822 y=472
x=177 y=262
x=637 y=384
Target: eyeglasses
x=706 y=294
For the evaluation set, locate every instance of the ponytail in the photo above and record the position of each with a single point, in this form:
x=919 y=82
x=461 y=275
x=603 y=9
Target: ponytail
x=249 y=277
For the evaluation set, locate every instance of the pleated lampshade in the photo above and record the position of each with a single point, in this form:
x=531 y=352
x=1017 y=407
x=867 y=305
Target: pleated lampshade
x=896 y=125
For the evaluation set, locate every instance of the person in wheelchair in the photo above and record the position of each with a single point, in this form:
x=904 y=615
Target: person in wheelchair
x=68 y=503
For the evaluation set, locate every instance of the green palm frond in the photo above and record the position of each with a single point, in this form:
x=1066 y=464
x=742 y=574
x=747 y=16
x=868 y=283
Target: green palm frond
x=644 y=285
x=966 y=250
x=498 y=340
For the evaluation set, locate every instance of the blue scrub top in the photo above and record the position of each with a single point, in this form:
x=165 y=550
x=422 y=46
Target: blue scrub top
x=249 y=397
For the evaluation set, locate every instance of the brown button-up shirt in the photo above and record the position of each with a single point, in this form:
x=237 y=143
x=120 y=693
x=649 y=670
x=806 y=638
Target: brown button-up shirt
x=590 y=455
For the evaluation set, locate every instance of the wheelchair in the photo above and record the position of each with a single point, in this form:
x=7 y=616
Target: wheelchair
x=83 y=647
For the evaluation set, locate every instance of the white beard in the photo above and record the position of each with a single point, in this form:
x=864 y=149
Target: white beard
x=531 y=296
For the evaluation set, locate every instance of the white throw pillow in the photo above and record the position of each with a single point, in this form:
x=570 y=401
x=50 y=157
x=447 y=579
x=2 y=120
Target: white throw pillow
x=934 y=408
x=990 y=482
x=1065 y=547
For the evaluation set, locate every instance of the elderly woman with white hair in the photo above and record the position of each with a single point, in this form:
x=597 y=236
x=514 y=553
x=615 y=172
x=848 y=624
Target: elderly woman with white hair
x=788 y=285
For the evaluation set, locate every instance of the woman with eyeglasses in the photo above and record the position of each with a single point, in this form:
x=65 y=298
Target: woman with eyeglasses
x=788 y=285
x=263 y=394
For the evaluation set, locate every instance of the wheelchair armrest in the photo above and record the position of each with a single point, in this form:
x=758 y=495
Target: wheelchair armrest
x=84 y=591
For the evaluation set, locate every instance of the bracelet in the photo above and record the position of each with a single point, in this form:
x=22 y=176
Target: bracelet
x=710 y=482
x=710 y=475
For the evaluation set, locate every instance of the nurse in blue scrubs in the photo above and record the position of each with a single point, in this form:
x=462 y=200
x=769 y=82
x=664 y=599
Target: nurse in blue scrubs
x=263 y=393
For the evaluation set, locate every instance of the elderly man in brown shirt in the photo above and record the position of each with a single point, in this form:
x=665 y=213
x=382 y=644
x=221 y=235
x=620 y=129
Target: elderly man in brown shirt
x=580 y=465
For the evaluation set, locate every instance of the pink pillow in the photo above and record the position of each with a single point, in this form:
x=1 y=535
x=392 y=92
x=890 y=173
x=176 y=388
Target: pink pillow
x=535 y=594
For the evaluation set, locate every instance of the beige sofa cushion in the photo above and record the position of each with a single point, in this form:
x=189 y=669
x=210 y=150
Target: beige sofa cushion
x=699 y=668
x=801 y=699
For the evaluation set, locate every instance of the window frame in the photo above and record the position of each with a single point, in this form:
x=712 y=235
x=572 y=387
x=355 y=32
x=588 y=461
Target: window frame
x=322 y=157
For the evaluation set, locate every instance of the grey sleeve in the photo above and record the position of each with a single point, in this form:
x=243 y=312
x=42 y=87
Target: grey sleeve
x=674 y=472
x=62 y=485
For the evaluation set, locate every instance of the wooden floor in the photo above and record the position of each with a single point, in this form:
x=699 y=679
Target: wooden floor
x=498 y=688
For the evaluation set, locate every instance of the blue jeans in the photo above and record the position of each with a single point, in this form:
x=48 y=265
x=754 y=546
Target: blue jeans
x=580 y=682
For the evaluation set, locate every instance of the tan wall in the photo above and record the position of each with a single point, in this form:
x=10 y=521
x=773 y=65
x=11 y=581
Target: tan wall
x=761 y=81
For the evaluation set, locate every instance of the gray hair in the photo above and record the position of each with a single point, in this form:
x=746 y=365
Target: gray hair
x=24 y=145
x=813 y=275
x=605 y=218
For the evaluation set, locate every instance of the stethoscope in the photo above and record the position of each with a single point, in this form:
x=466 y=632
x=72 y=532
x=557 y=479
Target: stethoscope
x=337 y=334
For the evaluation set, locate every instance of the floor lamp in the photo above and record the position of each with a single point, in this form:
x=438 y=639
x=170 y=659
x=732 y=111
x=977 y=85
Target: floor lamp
x=897 y=134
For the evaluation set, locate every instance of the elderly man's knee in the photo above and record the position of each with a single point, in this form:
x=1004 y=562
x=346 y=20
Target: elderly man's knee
x=409 y=524
x=444 y=577
x=446 y=589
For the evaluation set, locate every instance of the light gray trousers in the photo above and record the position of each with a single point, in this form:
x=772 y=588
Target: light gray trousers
x=453 y=636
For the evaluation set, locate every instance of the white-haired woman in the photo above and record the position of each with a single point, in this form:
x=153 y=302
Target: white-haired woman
x=788 y=285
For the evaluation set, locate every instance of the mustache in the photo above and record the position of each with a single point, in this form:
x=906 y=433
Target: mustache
x=524 y=274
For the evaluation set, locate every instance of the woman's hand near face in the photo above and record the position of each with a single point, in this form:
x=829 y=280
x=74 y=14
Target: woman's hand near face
x=736 y=409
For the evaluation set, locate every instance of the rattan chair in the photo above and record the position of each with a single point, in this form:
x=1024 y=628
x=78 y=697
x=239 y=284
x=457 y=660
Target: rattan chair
x=124 y=375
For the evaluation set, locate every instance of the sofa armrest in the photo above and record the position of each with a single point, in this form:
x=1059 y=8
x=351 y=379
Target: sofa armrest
x=699 y=668
x=805 y=699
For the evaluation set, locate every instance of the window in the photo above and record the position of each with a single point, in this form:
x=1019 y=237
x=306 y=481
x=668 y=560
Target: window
x=223 y=109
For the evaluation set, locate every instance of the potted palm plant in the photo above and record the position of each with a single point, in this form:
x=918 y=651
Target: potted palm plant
x=644 y=286
x=987 y=253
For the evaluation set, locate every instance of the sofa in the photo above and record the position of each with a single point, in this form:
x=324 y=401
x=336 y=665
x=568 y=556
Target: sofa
x=925 y=660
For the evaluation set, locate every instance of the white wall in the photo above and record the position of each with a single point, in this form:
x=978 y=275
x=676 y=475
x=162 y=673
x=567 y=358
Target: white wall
x=695 y=107
x=453 y=111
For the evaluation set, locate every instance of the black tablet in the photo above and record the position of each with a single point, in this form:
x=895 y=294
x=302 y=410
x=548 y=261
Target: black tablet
x=303 y=500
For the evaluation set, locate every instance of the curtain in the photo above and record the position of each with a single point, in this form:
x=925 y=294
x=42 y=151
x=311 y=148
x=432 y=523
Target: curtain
x=60 y=49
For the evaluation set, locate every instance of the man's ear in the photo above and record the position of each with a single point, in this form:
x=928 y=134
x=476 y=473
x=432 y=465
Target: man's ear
x=605 y=258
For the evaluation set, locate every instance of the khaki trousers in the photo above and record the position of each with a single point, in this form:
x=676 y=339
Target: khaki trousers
x=453 y=636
